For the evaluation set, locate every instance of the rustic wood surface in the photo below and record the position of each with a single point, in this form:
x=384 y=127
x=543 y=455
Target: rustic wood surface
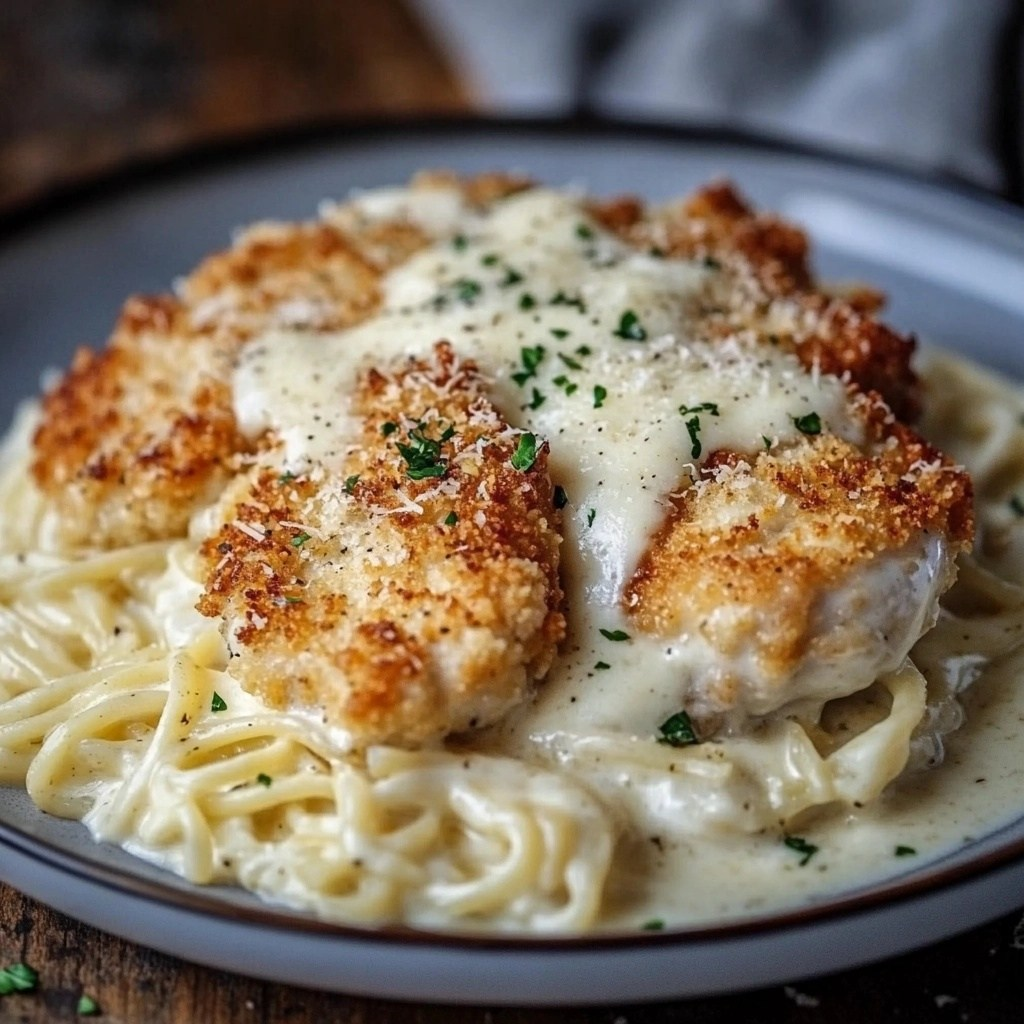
x=88 y=84
x=977 y=978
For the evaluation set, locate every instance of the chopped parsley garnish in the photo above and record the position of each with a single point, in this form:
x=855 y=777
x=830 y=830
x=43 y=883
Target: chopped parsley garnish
x=561 y=332
x=489 y=259
x=525 y=454
x=451 y=519
x=709 y=407
x=801 y=846
x=1017 y=506
x=809 y=424
x=767 y=443
x=563 y=382
x=600 y=394
x=536 y=400
x=591 y=516
x=18 y=978
x=459 y=243
x=531 y=357
x=291 y=600
x=527 y=301
x=693 y=429
x=299 y=539
x=511 y=277
x=263 y=779
x=350 y=483
x=87 y=1006
x=905 y=851
x=286 y=477
x=601 y=666
x=423 y=454
x=584 y=231
x=630 y=328
x=616 y=635
x=387 y=429
x=559 y=499
x=654 y=925
x=711 y=263
x=584 y=350
x=561 y=299
x=573 y=364
x=678 y=731
x=466 y=289
x=218 y=703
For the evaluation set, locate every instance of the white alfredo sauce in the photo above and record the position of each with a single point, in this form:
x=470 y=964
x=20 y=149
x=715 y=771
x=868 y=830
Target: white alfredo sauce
x=590 y=346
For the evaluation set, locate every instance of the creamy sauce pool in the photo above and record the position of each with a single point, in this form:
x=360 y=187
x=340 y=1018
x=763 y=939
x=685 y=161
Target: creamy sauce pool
x=725 y=875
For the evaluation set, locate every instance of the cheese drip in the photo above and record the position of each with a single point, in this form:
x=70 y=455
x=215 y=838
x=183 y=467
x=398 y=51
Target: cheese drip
x=590 y=345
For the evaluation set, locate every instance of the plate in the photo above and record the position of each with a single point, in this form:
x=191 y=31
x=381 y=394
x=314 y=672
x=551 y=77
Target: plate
x=952 y=261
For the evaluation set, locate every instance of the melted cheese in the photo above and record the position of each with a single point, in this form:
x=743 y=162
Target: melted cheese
x=552 y=308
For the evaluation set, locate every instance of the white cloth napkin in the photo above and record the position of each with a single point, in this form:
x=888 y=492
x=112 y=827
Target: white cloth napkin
x=920 y=81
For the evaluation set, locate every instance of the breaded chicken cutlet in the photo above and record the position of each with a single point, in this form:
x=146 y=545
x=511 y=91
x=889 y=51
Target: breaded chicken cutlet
x=405 y=578
x=411 y=606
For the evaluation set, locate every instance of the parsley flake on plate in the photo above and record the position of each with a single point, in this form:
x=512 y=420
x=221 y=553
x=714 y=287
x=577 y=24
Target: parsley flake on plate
x=467 y=290
x=709 y=407
x=809 y=424
x=677 y=731
x=18 y=978
x=693 y=429
x=630 y=328
x=422 y=454
x=87 y=1006
x=531 y=357
x=525 y=454
x=800 y=845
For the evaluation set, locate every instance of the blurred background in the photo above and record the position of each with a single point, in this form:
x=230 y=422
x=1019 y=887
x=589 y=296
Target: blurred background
x=88 y=84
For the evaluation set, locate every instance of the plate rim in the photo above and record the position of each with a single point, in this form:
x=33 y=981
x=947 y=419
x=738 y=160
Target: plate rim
x=67 y=198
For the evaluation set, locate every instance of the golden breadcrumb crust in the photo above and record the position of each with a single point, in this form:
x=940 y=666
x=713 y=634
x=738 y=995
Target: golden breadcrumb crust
x=749 y=551
x=406 y=608
x=767 y=289
x=138 y=437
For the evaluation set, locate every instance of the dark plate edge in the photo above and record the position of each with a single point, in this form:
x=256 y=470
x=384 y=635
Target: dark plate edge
x=204 y=904
x=63 y=198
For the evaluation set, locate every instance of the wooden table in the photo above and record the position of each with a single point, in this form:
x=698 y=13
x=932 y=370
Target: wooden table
x=977 y=978
x=86 y=86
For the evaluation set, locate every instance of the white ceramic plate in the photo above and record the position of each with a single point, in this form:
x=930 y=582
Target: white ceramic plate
x=953 y=265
